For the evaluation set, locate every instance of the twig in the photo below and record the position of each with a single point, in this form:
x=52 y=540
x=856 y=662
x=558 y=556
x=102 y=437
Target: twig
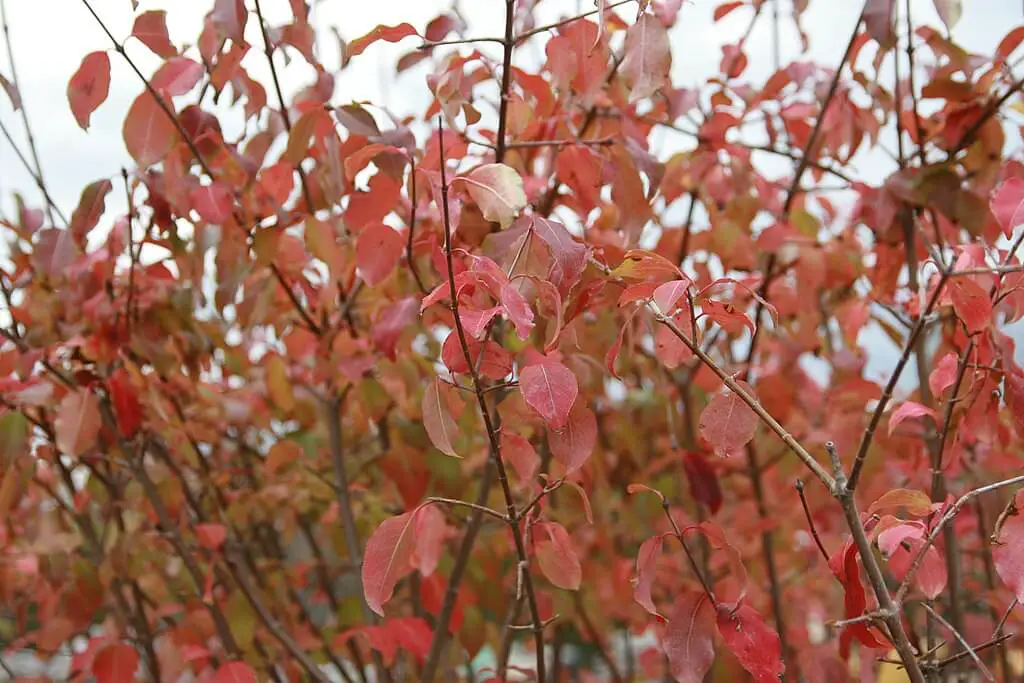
x=24 y=111
x=963 y=641
x=28 y=167
x=472 y=506
x=526 y=35
x=950 y=513
x=810 y=521
x=751 y=402
x=348 y=520
x=689 y=555
x=492 y=435
x=412 y=230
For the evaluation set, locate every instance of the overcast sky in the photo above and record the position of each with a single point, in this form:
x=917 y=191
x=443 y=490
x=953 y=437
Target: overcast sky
x=50 y=37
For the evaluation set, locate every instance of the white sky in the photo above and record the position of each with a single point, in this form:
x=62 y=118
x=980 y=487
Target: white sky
x=51 y=36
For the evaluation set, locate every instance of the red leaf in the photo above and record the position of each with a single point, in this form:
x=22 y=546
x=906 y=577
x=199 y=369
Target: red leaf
x=689 y=640
x=388 y=558
x=752 y=642
x=390 y=34
x=971 y=303
x=944 y=374
x=725 y=314
x=149 y=134
x=378 y=249
x=230 y=17
x=497 y=190
x=211 y=536
x=213 y=202
x=88 y=88
x=431 y=533
x=844 y=566
x=703 y=481
x=116 y=663
x=438 y=419
x=1008 y=549
x=667 y=295
x=412 y=634
x=901 y=544
x=493 y=361
x=127 y=408
x=550 y=388
x=177 y=76
x=648 y=57
x=151 y=29
x=517 y=310
x=520 y=453
x=724 y=9
x=556 y=557
x=646 y=564
x=235 y=672
x=727 y=422
x=569 y=256
x=78 y=422
x=909 y=410
x=574 y=443
x=90 y=208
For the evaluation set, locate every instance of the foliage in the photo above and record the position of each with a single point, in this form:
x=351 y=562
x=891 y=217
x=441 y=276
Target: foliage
x=353 y=392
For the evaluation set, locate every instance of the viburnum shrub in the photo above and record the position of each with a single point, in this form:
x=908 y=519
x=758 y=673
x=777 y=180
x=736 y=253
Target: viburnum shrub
x=505 y=391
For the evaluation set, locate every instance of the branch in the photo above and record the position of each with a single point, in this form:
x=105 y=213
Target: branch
x=492 y=434
x=949 y=515
x=24 y=113
x=810 y=520
x=751 y=402
x=526 y=35
x=956 y=634
x=894 y=378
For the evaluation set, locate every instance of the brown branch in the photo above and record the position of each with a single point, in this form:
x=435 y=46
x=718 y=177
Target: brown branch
x=28 y=167
x=595 y=638
x=492 y=434
x=526 y=35
x=751 y=402
x=348 y=520
x=963 y=641
x=810 y=520
x=950 y=513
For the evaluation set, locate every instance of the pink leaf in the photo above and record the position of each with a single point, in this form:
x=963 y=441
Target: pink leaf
x=388 y=558
x=438 y=419
x=151 y=29
x=518 y=310
x=431 y=533
x=569 y=256
x=727 y=422
x=78 y=422
x=667 y=295
x=689 y=640
x=909 y=410
x=944 y=374
x=520 y=453
x=89 y=87
x=550 y=388
x=754 y=643
x=556 y=557
x=646 y=565
x=648 y=57
x=177 y=76
x=971 y=303
x=149 y=134
x=213 y=202
x=390 y=34
x=879 y=16
x=1007 y=204
x=378 y=249
x=572 y=444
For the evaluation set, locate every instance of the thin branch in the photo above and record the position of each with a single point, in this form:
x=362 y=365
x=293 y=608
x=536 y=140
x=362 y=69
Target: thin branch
x=28 y=167
x=890 y=387
x=24 y=111
x=348 y=520
x=751 y=402
x=810 y=520
x=526 y=35
x=472 y=506
x=963 y=641
x=950 y=513
x=492 y=434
